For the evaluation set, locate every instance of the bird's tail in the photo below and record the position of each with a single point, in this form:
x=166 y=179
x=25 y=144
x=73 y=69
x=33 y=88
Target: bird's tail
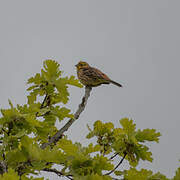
x=115 y=83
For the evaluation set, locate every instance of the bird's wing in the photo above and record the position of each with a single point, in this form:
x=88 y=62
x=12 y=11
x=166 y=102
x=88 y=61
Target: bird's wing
x=94 y=74
x=101 y=75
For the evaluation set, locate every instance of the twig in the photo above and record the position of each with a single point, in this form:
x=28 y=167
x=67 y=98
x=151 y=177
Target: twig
x=112 y=157
x=42 y=105
x=117 y=165
x=81 y=108
x=4 y=130
x=56 y=172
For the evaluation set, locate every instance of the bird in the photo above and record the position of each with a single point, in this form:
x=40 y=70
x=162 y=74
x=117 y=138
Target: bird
x=92 y=77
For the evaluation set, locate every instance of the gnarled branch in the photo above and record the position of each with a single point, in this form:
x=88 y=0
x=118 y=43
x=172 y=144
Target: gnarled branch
x=81 y=108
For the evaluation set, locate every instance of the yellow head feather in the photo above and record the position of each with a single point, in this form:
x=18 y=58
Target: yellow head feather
x=82 y=64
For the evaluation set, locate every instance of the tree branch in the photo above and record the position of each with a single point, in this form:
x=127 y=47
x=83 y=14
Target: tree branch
x=81 y=108
x=56 y=172
x=117 y=165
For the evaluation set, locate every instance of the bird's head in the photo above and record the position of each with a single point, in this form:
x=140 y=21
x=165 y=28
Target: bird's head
x=81 y=65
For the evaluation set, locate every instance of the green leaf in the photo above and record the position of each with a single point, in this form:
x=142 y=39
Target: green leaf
x=61 y=86
x=10 y=175
x=101 y=163
x=10 y=103
x=68 y=147
x=49 y=119
x=133 y=174
x=29 y=109
x=43 y=111
x=51 y=72
x=61 y=113
x=81 y=166
x=158 y=176
x=74 y=82
x=142 y=152
x=20 y=134
x=101 y=129
x=147 y=135
x=31 y=119
x=91 y=148
x=39 y=156
x=10 y=114
x=37 y=79
x=33 y=96
x=92 y=177
x=38 y=165
x=128 y=126
x=118 y=173
x=16 y=156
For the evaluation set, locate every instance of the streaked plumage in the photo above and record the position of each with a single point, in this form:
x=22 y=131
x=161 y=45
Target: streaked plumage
x=90 y=76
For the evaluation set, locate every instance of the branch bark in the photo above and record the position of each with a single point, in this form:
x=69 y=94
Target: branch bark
x=81 y=108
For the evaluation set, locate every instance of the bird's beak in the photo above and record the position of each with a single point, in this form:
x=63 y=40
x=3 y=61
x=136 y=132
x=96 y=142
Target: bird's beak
x=76 y=65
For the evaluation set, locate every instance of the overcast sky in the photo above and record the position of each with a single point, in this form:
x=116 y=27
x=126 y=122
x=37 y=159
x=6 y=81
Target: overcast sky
x=137 y=43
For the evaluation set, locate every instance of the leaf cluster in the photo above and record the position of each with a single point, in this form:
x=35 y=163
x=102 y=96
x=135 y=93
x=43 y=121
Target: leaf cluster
x=125 y=140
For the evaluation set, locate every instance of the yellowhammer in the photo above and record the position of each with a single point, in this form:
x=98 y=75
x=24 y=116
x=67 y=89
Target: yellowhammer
x=90 y=76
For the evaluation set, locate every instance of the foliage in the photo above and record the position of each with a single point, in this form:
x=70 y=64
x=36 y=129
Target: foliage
x=177 y=176
x=24 y=128
x=125 y=140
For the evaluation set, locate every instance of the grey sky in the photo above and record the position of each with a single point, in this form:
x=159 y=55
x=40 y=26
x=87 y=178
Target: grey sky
x=136 y=43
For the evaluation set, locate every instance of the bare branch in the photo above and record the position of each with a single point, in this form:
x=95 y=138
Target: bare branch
x=59 y=173
x=81 y=108
x=117 y=165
